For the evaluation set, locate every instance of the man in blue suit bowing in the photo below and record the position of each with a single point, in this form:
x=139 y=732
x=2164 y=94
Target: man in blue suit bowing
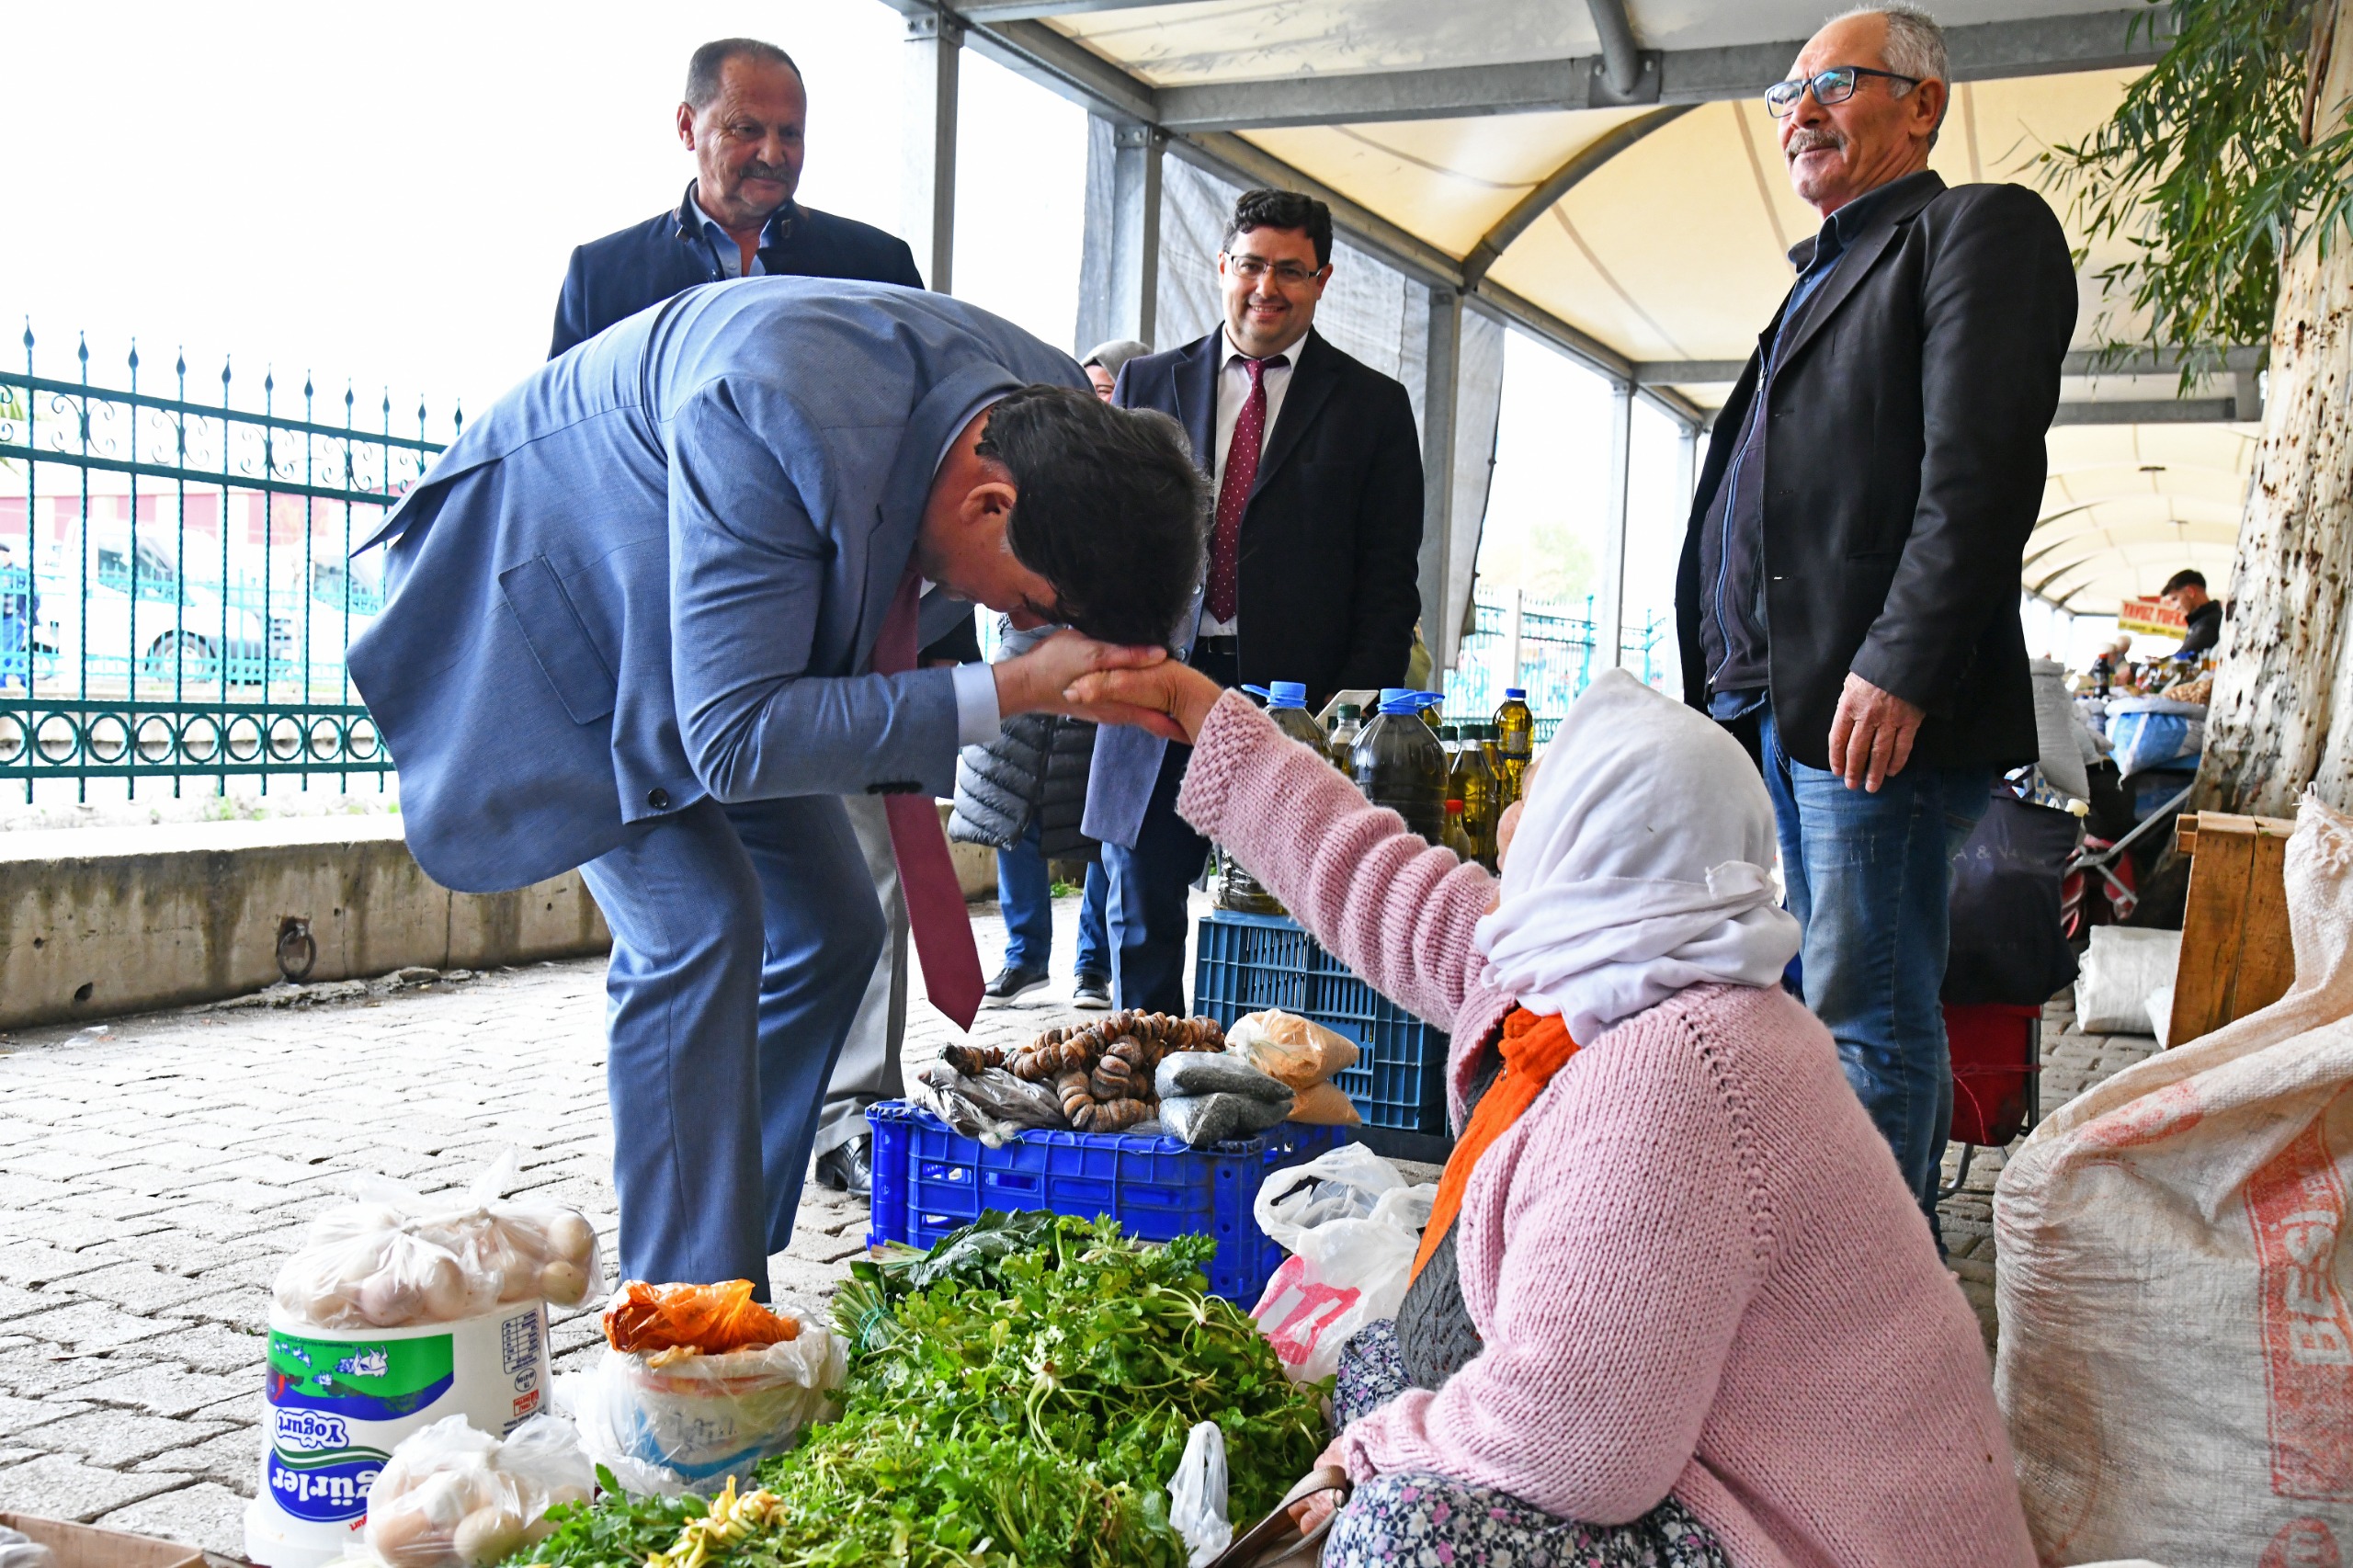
x=656 y=612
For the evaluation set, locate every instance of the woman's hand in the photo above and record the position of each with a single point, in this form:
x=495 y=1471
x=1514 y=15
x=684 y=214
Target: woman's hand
x=1310 y=1511
x=1169 y=699
x=1036 y=680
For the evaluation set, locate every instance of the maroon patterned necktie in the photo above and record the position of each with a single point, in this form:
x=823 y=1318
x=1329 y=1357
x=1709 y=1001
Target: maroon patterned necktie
x=1224 y=594
x=936 y=915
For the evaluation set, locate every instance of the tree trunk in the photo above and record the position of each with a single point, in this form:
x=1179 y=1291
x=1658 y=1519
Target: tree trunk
x=2282 y=715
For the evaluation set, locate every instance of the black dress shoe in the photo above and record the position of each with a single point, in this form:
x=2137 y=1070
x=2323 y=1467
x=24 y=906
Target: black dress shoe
x=1092 y=993
x=848 y=1167
x=1011 y=983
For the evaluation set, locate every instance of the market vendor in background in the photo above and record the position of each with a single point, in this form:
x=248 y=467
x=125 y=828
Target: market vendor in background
x=1847 y=596
x=1314 y=560
x=1674 y=1305
x=2186 y=591
x=657 y=611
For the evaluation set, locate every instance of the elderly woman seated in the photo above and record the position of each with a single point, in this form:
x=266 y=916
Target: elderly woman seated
x=1676 y=1305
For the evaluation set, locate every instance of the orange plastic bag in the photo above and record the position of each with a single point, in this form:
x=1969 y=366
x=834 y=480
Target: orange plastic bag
x=709 y=1318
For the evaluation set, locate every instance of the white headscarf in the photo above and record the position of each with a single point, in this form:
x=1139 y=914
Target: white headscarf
x=1641 y=866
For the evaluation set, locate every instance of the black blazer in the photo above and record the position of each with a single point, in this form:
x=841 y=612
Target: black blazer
x=1331 y=543
x=615 y=278
x=1904 y=469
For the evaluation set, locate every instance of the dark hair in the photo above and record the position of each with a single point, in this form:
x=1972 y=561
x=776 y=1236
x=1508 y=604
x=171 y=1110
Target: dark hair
x=2187 y=577
x=703 y=70
x=1283 y=210
x=1109 y=508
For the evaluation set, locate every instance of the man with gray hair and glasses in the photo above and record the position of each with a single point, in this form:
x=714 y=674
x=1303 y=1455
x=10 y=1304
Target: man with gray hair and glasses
x=1847 y=596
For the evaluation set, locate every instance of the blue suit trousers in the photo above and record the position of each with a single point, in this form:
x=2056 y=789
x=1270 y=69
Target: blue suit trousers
x=743 y=940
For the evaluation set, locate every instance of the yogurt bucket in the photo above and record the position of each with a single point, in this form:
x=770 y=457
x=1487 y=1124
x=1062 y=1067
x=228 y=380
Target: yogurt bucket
x=341 y=1400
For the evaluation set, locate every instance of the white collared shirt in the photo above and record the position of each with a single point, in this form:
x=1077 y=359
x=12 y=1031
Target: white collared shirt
x=1233 y=392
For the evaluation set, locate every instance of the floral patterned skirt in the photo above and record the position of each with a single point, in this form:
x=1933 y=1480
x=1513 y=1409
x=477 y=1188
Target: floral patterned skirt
x=1434 y=1521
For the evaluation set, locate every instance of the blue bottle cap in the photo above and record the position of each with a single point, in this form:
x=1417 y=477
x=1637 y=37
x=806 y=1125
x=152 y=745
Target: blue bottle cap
x=1281 y=693
x=1390 y=694
x=1515 y=694
x=1407 y=703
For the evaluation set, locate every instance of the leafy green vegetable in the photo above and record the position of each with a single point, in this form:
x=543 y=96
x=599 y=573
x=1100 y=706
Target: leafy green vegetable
x=1017 y=1398
x=619 y=1532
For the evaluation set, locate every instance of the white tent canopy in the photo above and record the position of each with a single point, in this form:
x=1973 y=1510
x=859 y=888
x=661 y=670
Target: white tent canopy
x=1604 y=177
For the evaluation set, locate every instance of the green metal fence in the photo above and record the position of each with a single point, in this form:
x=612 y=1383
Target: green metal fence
x=176 y=591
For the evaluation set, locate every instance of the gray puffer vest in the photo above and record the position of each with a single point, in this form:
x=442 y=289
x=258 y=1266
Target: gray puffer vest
x=1036 y=768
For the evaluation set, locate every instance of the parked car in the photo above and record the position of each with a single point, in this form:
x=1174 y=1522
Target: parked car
x=129 y=609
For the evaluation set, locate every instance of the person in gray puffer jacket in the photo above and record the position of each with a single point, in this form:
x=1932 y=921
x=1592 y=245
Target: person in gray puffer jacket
x=1022 y=795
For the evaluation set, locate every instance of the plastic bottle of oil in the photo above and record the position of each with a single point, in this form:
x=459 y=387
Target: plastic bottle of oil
x=1347 y=720
x=1287 y=706
x=1433 y=703
x=1516 y=735
x=1470 y=786
x=1455 y=838
x=1398 y=763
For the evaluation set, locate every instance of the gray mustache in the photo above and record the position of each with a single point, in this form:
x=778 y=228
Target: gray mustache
x=1808 y=141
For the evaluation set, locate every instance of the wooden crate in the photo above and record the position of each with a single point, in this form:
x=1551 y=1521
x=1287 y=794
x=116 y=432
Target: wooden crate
x=2235 y=955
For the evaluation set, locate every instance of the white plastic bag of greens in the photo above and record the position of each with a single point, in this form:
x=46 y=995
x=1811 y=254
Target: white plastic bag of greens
x=452 y=1497
x=1196 y=1495
x=668 y=1422
x=1352 y=1226
x=2176 y=1287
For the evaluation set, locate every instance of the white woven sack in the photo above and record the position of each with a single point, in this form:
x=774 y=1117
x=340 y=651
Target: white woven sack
x=2176 y=1350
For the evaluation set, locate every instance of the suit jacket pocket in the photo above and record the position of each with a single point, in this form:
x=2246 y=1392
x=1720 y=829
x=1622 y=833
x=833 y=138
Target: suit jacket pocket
x=558 y=638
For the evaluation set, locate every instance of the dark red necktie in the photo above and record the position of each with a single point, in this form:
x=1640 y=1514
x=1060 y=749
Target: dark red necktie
x=1223 y=596
x=943 y=931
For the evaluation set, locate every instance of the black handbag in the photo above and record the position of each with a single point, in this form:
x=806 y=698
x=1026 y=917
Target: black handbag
x=2008 y=945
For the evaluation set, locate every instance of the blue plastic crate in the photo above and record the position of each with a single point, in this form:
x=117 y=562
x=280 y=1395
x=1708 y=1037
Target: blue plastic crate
x=929 y=1179
x=1247 y=962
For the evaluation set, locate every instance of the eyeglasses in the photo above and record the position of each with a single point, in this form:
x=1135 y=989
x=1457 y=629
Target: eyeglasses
x=1250 y=269
x=1835 y=85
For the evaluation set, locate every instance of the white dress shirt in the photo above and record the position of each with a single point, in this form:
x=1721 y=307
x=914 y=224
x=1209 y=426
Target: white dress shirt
x=1233 y=392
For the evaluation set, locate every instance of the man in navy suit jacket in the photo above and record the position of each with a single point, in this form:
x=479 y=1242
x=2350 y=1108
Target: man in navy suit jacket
x=1315 y=557
x=742 y=118
x=633 y=623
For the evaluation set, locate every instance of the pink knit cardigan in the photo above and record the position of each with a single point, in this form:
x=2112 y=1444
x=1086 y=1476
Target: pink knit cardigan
x=1693 y=1263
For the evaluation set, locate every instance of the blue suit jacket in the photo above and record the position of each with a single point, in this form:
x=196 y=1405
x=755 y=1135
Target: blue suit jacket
x=615 y=278
x=655 y=571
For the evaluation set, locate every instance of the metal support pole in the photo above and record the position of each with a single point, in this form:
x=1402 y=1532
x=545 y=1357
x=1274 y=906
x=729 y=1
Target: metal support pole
x=1610 y=614
x=929 y=145
x=1136 y=154
x=1442 y=378
x=1511 y=640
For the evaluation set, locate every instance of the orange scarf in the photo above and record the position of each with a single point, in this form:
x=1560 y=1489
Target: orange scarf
x=1534 y=1046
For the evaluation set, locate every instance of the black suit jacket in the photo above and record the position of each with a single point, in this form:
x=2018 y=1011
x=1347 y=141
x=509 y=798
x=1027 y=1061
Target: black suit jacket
x=1904 y=469
x=615 y=278
x=1330 y=542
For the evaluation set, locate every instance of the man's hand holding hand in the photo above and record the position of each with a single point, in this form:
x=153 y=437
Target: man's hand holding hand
x=1035 y=681
x=1872 y=734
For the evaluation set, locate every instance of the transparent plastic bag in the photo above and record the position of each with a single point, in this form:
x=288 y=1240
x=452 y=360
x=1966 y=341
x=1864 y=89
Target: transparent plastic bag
x=994 y=1107
x=1352 y=1226
x=1196 y=1495
x=452 y=1497
x=390 y=1257
x=1288 y=1047
x=18 y=1549
x=386 y=1279
x=673 y=1421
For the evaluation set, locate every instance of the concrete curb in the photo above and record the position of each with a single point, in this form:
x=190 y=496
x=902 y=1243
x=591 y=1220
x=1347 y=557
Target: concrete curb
x=100 y=922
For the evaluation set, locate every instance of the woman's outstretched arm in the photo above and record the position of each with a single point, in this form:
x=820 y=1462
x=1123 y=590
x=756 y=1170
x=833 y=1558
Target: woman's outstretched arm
x=1398 y=911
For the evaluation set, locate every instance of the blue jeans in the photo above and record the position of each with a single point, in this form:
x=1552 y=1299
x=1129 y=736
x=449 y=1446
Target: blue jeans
x=1025 y=892
x=1869 y=878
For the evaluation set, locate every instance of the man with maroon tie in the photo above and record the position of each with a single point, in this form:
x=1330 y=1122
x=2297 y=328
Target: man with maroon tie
x=1317 y=470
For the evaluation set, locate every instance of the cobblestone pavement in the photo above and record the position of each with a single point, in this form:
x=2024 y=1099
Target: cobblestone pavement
x=157 y=1170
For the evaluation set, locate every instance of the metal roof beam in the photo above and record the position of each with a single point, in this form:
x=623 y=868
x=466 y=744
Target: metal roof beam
x=2165 y=411
x=985 y=12
x=1980 y=51
x=1539 y=201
